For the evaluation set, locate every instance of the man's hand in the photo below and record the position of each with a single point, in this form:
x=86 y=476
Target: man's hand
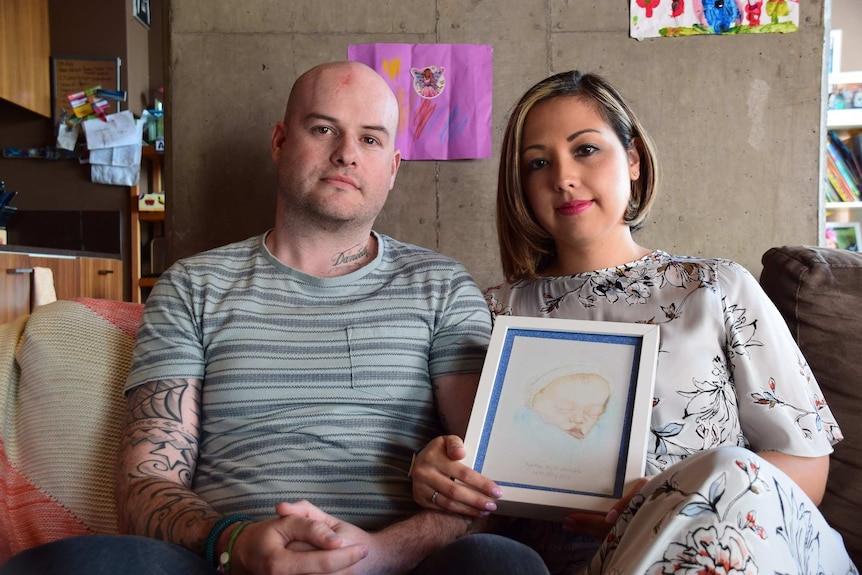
x=377 y=560
x=437 y=468
x=597 y=524
x=295 y=544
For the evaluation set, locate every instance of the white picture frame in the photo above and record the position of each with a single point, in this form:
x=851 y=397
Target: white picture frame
x=540 y=387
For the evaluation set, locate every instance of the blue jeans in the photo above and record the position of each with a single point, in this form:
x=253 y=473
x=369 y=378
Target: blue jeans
x=482 y=554
x=107 y=554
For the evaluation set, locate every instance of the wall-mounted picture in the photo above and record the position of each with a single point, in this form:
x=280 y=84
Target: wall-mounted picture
x=561 y=416
x=845 y=91
x=843 y=235
x=141 y=10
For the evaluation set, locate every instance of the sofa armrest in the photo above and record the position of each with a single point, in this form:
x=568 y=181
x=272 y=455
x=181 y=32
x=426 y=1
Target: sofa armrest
x=819 y=293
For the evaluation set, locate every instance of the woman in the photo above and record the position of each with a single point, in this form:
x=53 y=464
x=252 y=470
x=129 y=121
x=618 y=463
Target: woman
x=741 y=435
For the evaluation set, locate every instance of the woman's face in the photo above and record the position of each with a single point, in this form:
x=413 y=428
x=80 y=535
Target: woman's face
x=576 y=173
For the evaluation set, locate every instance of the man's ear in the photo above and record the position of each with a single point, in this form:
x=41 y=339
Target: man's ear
x=279 y=137
x=396 y=162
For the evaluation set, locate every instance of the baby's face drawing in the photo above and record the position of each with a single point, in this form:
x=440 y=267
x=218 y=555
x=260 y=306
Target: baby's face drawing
x=574 y=403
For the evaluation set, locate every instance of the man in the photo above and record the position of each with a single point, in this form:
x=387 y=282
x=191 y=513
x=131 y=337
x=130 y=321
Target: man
x=309 y=363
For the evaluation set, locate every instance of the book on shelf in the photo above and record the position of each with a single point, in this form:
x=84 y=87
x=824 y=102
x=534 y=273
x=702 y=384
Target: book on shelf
x=852 y=163
x=842 y=187
x=854 y=142
x=843 y=176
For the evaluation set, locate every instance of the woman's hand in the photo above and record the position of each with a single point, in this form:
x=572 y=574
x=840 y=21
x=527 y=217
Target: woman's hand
x=438 y=469
x=596 y=524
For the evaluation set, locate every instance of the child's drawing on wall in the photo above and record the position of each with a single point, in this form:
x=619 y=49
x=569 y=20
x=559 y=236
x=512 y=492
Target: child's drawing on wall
x=651 y=18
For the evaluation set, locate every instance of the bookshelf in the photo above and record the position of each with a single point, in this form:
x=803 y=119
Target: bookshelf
x=147 y=225
x=844 y=118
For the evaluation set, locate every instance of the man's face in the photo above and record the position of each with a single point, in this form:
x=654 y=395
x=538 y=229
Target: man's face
x=574 y=403
x=335 y=151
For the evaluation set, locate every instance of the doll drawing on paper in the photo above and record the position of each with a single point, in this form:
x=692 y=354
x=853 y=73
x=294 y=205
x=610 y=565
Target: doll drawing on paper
x=429 y=81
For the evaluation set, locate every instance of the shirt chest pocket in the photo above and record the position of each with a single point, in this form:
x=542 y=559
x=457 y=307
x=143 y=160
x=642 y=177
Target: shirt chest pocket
x=389 y=362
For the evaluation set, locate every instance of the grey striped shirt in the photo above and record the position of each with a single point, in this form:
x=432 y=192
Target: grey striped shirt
x=314 y=388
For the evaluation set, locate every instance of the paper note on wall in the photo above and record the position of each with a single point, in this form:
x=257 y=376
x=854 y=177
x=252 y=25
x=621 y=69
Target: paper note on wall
x=116 y=130
x=444 y=94
x=116 y=159
x=652 y=18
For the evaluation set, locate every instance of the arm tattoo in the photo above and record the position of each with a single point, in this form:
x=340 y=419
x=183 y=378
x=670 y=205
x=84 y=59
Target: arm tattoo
x=162 y=399
x=156 y=424
x=161 y=445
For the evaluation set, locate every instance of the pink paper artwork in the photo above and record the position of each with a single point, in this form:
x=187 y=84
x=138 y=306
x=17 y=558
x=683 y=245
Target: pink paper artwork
x=444 y=94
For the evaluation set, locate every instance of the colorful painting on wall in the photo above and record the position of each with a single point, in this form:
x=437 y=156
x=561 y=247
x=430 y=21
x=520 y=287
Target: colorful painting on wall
x=653 y=18
x=444 y=96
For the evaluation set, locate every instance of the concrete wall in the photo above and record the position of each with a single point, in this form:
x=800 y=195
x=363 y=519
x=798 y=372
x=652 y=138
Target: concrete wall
x=737 y=119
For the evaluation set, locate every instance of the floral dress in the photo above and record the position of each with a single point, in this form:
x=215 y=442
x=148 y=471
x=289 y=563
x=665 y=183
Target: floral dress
x=729 y=376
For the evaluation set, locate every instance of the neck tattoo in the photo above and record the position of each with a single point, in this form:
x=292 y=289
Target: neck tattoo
x=350 y=255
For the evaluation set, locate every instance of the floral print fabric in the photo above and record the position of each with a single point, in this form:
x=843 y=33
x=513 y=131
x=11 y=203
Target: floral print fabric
x=729 y=374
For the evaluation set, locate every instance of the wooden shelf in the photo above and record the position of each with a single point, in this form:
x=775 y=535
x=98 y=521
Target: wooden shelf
x=844 y=205
x=153 y=216
x=155 y=159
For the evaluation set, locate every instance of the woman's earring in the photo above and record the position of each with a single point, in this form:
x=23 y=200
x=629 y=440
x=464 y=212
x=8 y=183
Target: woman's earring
x=636 y=174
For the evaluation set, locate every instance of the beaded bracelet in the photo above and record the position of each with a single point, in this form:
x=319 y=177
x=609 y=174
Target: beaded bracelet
x=217 y=530
x=224 y=558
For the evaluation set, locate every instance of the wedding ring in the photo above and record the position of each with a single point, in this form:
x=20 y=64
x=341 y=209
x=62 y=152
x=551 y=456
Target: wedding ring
x=434 y=498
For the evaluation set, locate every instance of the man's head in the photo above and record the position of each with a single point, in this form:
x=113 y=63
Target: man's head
x=573 y=402
x=335 y=150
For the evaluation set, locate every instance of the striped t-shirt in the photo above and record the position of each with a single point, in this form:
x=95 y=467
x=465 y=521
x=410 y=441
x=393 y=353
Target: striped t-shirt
x=313 y=388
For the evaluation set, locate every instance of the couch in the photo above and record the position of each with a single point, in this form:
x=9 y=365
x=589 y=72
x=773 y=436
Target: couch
x=819 y=293
x=62 y=371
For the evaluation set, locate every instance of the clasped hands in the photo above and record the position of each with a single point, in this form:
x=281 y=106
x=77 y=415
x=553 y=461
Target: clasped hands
x=302 y=540
x=437 y=468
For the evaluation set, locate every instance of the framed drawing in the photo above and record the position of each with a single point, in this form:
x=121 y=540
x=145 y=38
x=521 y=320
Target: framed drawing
x=141 y=10
x=561 y=416
x=843 y=235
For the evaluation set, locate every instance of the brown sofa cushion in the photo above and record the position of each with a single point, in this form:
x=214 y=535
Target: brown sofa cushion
x=819 y=293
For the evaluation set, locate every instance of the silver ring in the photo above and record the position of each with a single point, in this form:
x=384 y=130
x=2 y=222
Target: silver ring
x=434 y=498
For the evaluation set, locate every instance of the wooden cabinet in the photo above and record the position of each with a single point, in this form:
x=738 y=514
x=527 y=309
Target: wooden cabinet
x=73 y=277
x=101 y=278
x=25 y=54
x=146 y=225
x=15 y=283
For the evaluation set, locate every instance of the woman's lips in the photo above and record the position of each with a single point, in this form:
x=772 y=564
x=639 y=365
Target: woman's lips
x=574 y=208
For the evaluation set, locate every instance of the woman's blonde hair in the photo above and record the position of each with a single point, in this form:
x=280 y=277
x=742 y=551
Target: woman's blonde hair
x=525 y=248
